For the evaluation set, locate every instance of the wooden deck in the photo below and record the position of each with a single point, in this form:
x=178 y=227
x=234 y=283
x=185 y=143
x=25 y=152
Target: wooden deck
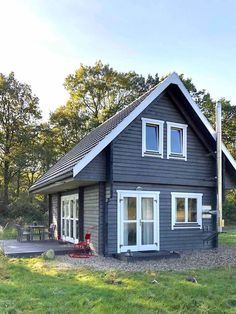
x=13 y=248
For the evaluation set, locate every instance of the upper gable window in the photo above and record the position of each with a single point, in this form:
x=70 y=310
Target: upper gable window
x=176 y=140
x=152 y=137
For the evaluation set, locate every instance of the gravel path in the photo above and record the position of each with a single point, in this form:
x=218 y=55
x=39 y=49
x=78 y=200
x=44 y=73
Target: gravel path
x=189 y=260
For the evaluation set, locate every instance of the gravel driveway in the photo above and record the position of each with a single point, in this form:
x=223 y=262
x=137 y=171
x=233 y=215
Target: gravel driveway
x=222 y=256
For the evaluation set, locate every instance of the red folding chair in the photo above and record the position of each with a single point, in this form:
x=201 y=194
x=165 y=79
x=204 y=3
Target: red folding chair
x=83 y=249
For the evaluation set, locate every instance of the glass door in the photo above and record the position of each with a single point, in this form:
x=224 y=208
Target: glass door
x=70 y=218
x=147 y=223
x=138 y=225
x=129 y=214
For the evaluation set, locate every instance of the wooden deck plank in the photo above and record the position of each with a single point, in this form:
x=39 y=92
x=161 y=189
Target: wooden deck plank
x=13 y=248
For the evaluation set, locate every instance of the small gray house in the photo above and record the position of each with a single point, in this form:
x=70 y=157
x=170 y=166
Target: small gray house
x=145 y=179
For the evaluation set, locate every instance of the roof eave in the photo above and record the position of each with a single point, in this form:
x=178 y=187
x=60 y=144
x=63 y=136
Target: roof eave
x=37 y=188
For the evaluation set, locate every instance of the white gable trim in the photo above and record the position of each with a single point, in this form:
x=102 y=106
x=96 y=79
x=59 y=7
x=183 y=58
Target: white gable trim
x=171 y=79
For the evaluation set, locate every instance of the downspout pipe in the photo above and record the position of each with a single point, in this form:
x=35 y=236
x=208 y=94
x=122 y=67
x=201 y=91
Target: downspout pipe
x=219 y=165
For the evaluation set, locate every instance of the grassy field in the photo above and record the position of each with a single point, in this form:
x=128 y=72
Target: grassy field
x=36 y=286
x=229 y=237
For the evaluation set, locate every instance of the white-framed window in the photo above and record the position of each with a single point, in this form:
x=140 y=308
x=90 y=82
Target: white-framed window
x=176 y=141
x=152 y=137
x=186 y=210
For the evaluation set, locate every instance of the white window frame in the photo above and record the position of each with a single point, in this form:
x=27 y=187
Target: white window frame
x=68 y=198
x=153 y=153
x=131 y=193
x=186 y=224
x=171 y=155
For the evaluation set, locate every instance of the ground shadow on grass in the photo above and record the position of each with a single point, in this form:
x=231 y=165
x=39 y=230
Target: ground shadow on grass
x=33 y=286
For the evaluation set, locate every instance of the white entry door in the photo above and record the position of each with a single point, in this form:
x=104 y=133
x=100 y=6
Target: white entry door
x=138 y=221
x=70 y=218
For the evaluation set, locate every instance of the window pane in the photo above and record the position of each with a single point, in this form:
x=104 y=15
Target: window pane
x=147 y=233
x=63 y=227
x=72 y=208
x=180 y=209
x=77 y=209
x=152 y=137
x=176 y=141
x=129 y=208
x=67 y=228
x=67 y=208
x=192 y=210
x=147 y=208
x=63 y=209
x=130 y=233
x=77 y=229
x=72 y=228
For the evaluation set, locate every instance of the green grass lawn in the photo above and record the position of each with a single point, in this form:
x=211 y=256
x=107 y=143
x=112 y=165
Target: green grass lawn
x=37 y=286
x=229 y=237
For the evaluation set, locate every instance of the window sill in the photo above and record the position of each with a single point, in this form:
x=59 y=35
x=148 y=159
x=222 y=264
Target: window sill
x=152 y=154
x=189 y=225
x=179 y=157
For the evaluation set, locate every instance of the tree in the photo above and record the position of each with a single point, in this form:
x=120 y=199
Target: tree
x=96 y=93
x=18 y=114
x=68 y=124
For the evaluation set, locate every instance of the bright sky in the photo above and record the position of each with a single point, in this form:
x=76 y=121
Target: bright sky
x=43 y=41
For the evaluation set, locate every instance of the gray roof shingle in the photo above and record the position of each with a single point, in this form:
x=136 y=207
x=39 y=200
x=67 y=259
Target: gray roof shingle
x=66 y=163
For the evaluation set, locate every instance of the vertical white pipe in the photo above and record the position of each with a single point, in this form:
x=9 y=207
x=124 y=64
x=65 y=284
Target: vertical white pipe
x=219 y=166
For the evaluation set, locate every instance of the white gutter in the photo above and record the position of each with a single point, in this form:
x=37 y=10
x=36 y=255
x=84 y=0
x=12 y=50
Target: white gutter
x=219 y=166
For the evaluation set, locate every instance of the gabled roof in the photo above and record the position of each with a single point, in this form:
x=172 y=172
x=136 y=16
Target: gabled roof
x=92 y=144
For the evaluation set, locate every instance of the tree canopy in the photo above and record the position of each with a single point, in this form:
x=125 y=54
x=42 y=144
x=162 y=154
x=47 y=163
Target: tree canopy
x=96 y=93
x=19 y=114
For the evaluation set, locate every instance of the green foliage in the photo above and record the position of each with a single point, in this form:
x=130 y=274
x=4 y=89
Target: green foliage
x=27 y=209
x=228 y=238
x=8 y=233
x=229 y=207
x=96 y=93
x=19 y=114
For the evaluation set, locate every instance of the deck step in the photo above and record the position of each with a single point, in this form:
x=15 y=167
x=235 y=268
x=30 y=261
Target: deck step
x=146 y=255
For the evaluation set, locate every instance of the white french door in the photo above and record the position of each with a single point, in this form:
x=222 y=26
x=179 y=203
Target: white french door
x=138 y=221
x=70 y=218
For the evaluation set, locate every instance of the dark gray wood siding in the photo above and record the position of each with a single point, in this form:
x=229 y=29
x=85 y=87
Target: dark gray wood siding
x=91 y=212
x=130 y=166
x=196 y=175
x=95 y=170
x=181 y=239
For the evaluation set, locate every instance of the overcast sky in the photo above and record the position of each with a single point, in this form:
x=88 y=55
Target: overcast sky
x=43 y=41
